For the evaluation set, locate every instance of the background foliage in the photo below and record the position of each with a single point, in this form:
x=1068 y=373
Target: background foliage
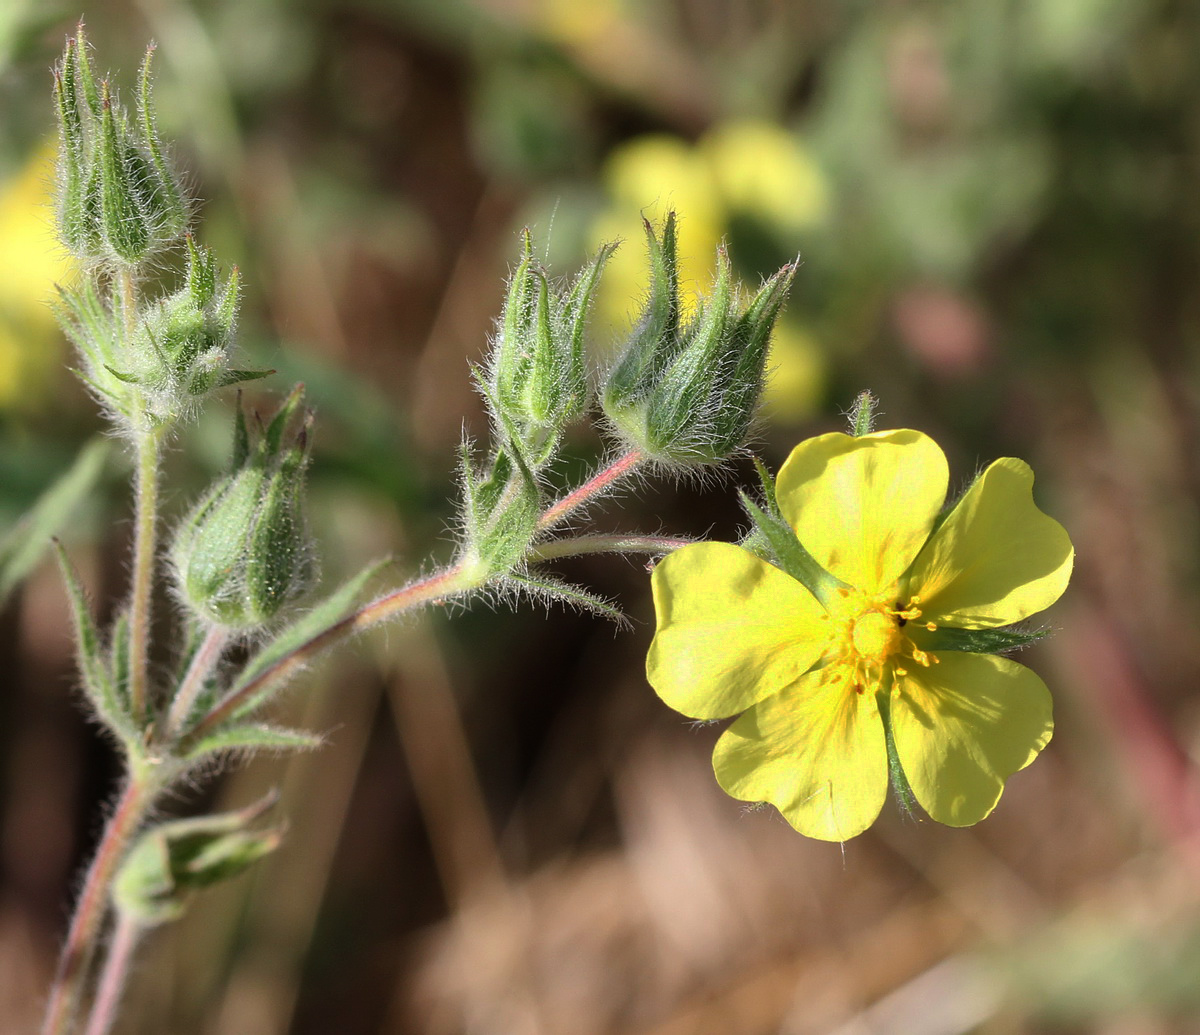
x=995 y=207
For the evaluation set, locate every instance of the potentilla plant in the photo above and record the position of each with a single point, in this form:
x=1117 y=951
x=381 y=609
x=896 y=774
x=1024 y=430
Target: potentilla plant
x=241 y=564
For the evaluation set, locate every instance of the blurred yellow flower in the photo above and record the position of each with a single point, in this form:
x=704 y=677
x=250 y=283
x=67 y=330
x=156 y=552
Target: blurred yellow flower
x=823 y=683
x=31 y=262
x=795 y=375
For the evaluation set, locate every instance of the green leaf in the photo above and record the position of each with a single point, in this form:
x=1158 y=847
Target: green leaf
x=254 y=736
x=327 y=613
x=170 y=862
x=97 y=680
x=236 y=377
x=22 y=547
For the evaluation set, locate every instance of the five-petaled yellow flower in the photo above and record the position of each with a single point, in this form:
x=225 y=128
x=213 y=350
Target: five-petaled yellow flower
x=816 y=681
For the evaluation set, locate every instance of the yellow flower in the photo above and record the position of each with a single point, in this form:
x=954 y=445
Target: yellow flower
x=823 y=682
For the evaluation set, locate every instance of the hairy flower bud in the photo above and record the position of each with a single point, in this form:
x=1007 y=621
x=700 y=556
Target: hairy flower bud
x=243 y=552
x=119 y=199
x=537 y=380
x=687 y=392
x=178 y=351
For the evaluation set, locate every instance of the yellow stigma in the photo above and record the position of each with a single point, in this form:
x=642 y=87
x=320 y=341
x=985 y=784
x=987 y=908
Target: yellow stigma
x=876 y=636
x=868 y=635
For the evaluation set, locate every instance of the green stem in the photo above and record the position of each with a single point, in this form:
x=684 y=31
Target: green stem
x=144 y=549
x=651 y=544
x=130 y=810
x=441 y=585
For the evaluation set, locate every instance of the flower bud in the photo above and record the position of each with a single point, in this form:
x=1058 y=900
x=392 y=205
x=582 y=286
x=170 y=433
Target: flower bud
x=119 y=200
x=686 y=393
x=243 y=552
x=178 y=351
x=537 y=381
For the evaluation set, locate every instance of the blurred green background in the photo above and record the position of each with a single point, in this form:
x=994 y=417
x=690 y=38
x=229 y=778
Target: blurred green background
x=996 y=206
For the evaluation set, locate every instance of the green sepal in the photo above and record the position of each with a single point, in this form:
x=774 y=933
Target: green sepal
x=976 y=641
x=229 y=378
x=123 y=222
x=169 y=863
x=655 y=338
x=108 y=704
x=789 y=554
x=862 y=414
x=766 y=481
x=311 y=624
x=500 y=512
x=23 y=545
x=251 y=737
x=896 y=776
x=172 y=206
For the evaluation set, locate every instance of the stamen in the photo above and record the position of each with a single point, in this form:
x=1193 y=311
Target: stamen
x=931 y=626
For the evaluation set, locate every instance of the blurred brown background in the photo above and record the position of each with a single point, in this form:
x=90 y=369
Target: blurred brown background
x=996 y=206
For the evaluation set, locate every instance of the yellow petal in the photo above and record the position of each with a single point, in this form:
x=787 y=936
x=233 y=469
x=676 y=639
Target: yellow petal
x=863 y=507
x=815 y=751
x=731 y=630
x=963 y=727
x=997 y=558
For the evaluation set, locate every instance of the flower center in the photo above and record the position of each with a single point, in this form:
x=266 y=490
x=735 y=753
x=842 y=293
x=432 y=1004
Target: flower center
x=876 y=636
x=868 y=638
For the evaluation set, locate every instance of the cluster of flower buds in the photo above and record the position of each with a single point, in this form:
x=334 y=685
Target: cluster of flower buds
x=177 y=351
x=685 y=392
x=119 y=199
x=244 y=552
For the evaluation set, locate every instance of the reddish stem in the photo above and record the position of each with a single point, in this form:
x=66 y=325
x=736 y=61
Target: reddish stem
x=92 y=905
x=589 y=489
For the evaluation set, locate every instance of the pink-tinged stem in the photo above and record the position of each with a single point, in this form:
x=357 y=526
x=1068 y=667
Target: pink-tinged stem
x=92 y=905
x=203 y=661
x=125 y=938
x=439 y=586
x=617 y=470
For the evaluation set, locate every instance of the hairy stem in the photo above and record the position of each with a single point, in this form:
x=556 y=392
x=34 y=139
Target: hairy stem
x=448 y=582
x=618 y=469
x=145 y=525
x=126 y=935
x=203 y=661
x=130 y=810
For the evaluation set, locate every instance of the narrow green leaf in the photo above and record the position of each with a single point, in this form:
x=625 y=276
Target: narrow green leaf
x=544 y=587
x=96 y=678
x=252 y=736
x=327 y=613
x=22 y=547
